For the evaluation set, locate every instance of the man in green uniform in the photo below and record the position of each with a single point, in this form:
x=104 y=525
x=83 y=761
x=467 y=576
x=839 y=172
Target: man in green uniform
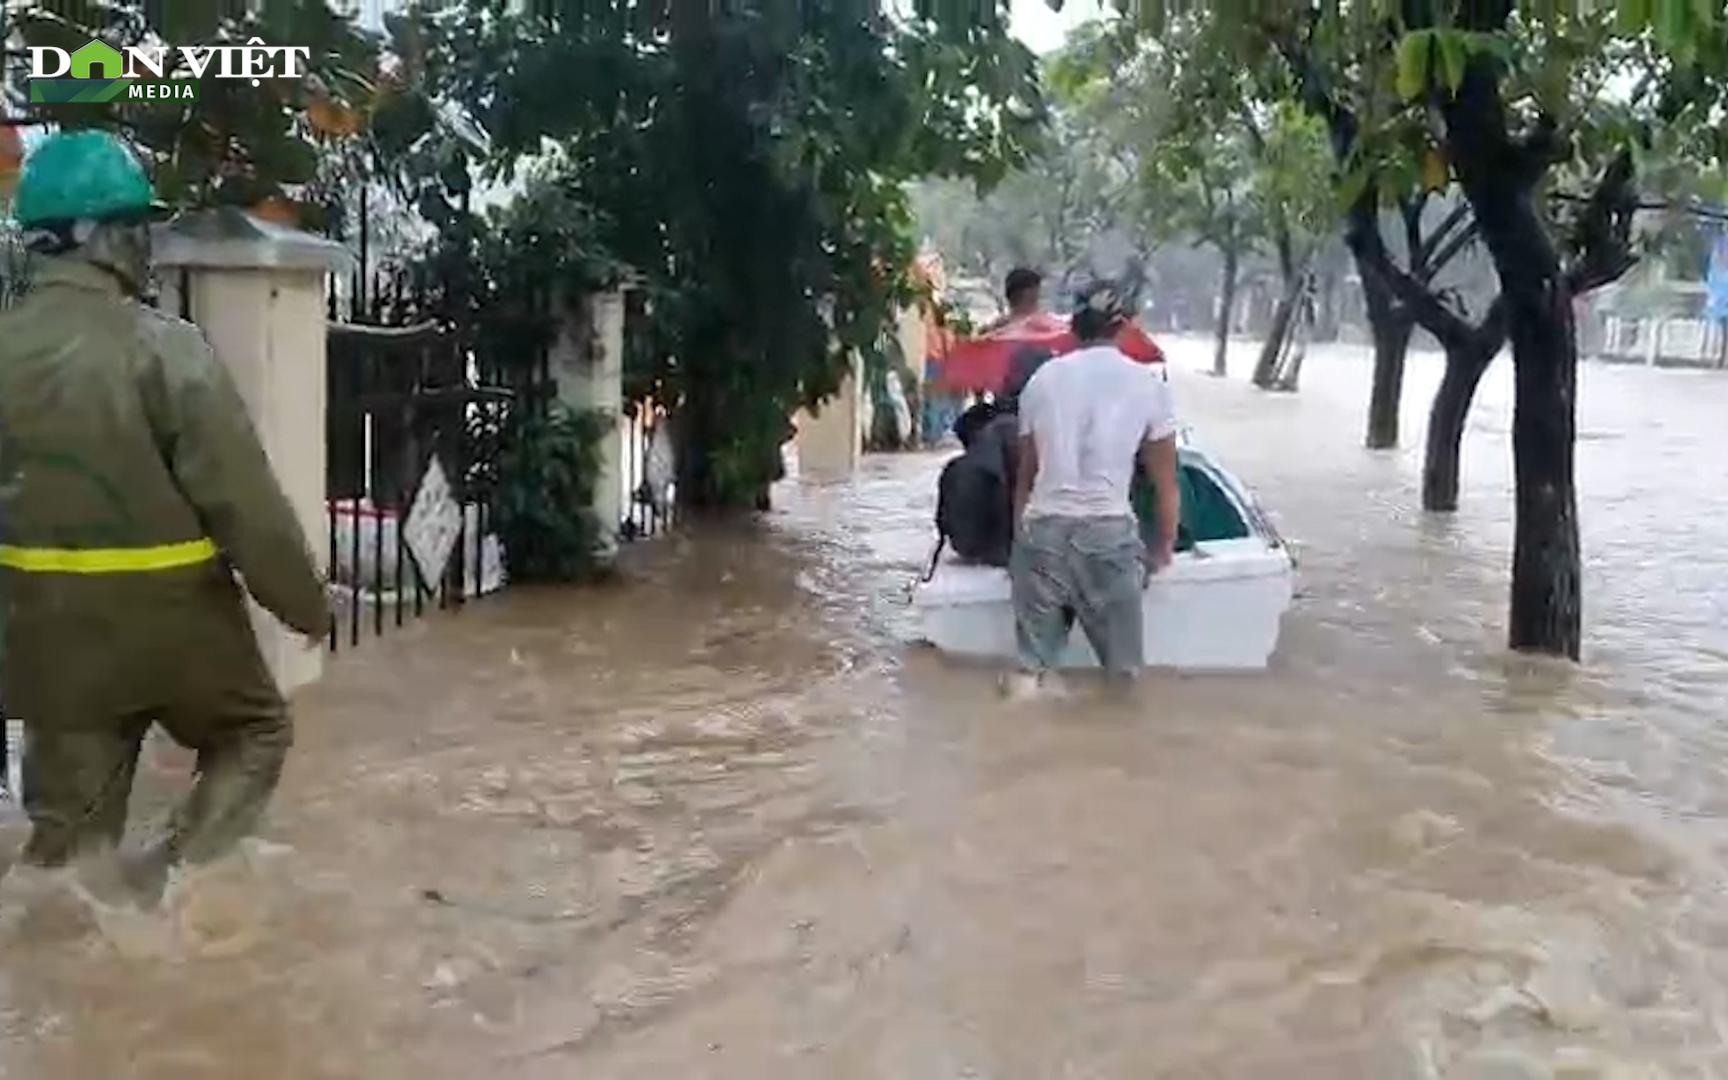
x=135 y=491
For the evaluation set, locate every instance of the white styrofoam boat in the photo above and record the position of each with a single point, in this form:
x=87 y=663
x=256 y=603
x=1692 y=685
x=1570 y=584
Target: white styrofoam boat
x=1218 y=607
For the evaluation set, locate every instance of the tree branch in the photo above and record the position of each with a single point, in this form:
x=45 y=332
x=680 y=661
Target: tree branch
x=1251 y=127
x=1602 y=237
x=1455 y=217
x=1411 y=210
x=1690 y=207
x=1437 y=258
x=1540 y=148
x=1315 y=92
x=1496 y=174
x=1362 y=232
x=1447 y=326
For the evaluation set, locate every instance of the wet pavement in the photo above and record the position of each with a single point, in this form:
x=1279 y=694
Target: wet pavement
x=722 y=821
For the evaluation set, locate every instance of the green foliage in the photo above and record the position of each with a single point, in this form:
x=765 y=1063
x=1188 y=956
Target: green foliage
x=237 y=144
x=749 y=162
x=1048 y=213
x=955 y=318
x=1217 y=155
x=543 y=507
x=1519 y=103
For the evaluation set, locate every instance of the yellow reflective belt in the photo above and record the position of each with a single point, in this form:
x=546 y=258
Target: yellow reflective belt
x=107 y=560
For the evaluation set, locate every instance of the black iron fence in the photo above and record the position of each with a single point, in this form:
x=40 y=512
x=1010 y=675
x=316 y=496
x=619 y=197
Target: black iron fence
x=414 y=428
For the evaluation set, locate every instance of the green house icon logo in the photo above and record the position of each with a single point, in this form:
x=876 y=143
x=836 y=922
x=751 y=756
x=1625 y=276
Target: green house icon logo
x=103 y=57
x=97 y=73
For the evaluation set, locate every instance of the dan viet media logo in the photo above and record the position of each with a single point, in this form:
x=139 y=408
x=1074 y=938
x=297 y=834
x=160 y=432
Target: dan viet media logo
x=97 y=72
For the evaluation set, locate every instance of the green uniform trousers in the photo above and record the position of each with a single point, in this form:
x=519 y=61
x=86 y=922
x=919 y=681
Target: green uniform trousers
x=93 y=660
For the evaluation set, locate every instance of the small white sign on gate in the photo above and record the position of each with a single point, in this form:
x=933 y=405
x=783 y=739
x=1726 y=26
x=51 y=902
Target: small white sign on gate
x=14 y=779
x=433 y=524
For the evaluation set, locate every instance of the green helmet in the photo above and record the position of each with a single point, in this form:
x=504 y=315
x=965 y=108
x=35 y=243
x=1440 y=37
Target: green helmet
x=82 y=176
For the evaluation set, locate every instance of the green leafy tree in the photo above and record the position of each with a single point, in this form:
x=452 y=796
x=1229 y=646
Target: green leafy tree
x=749 y=162
x=1393 y=180
x=1511 y=99
x=238 y=144
x=1216 y=159
x=1289 y=185
x=1192 y=175
x=1199 y=189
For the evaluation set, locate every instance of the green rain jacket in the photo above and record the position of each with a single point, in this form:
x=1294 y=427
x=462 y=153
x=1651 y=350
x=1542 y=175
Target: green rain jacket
x=127 y=452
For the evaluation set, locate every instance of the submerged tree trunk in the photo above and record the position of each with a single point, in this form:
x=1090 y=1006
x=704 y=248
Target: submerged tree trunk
x=1391 y=325
x=1465 y=366
x=1296 y=339
x=1327 y=317
x=1226 y=311
x=1290 y=274
x=1499 y=176
x=1547 y=588
x=1283 y=321
x=1290 y=374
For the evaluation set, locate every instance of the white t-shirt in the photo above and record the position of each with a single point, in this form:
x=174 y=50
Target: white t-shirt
x=1088 y=412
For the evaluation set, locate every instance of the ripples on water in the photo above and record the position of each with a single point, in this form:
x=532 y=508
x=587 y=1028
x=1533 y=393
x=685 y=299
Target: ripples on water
x=722 y=822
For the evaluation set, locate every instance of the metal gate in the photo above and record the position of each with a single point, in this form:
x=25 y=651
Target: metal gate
x=412 y=461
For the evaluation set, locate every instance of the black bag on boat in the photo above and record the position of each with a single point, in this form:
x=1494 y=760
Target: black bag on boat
x=972 y=511
x=974 y=420
x=974 y=497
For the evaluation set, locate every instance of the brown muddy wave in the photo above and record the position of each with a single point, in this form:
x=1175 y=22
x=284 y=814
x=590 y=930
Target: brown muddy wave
x=724 y=822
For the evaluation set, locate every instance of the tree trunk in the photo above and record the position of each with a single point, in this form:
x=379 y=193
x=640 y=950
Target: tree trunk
x=1391 y=326
x=1283 y=318
x=1547 y=586
x=1499 y=175
x=1290 y=376
x=1327 y=319
x=1440 y=464
x=1226 y=311
x=700 y=430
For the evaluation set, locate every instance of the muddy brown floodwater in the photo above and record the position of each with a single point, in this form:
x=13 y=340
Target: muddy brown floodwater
x=723 y=823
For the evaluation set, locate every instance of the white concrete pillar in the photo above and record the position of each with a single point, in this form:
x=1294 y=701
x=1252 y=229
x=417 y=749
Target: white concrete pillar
x=587 y=363
x=257 y=290
x=829 y=443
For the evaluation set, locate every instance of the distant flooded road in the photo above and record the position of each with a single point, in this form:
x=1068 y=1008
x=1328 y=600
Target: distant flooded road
x=722 y=822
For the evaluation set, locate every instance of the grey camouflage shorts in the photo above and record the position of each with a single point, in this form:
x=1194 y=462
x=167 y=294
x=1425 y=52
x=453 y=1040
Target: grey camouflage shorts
x=1085 y=569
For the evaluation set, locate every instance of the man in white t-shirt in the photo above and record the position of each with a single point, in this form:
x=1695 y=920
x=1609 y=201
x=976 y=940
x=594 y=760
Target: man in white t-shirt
x=1087 y=420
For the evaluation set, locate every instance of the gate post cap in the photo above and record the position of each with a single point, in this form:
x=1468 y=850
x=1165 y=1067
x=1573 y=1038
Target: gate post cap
x=227 y=237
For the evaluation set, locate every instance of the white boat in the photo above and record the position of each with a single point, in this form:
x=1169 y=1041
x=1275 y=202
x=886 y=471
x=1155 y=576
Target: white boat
x=1218 y=607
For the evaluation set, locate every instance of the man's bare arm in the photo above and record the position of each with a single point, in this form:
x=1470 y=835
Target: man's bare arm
x=1158 y=462
x=1025 y=471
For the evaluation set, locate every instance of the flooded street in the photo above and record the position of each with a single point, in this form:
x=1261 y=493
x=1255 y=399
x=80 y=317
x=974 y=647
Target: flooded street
x=724 y=822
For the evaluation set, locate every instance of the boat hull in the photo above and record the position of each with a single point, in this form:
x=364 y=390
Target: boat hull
x=1218 y=607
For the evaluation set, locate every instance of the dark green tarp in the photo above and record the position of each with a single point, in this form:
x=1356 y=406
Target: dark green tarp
x=1207 y=512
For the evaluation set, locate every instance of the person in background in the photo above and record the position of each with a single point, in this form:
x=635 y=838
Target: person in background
x=941 y=407
x=1023 y=290
x=1085 y=423
x=138 y=499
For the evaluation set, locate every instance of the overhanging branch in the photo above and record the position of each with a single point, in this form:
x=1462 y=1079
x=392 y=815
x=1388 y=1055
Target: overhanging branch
x=1455 y=217
x=1448 y=326
x=1437 y=258
x=1692 y=208
x=1602 y=238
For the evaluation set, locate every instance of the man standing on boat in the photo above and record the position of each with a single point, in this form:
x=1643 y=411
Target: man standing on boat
x=136 y=490
x=1024 y=291
x=1086 y=421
